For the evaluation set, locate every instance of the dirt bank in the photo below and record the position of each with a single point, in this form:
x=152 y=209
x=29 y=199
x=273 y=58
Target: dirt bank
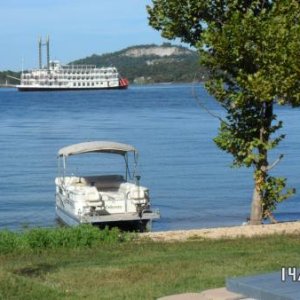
x=225 y=232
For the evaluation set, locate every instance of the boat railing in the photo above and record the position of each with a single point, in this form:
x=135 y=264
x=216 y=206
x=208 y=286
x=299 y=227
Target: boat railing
x=84 y=67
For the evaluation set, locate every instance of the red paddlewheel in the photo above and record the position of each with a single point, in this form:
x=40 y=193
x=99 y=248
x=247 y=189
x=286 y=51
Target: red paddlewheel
x=123 y=82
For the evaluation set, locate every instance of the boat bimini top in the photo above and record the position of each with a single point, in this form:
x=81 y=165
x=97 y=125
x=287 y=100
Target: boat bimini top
x=96 y=146
x=99 y=147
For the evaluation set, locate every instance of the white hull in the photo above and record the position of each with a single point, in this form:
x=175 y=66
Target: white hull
x=28 y=88
x=72 y=220
x=67 y=218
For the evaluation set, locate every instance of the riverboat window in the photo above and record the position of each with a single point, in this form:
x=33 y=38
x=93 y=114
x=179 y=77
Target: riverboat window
x=74 y=84
x=88 y=84
x=92 y=83
x=79 y=84
x=83 y=83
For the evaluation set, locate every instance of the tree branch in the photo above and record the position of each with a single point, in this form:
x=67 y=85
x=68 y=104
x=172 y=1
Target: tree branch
x=271 y=217
x=275 y=163
x=199 y=102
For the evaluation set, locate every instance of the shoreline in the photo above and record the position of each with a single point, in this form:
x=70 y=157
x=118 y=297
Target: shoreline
x=224 y=232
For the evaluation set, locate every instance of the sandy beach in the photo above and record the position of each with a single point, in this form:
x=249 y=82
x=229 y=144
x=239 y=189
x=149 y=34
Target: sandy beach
x=225 y=232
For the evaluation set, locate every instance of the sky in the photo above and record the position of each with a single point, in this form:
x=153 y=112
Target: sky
x=77 y=29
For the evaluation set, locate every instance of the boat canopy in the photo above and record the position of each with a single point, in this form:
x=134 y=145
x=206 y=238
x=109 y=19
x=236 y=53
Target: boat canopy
x=96 y=146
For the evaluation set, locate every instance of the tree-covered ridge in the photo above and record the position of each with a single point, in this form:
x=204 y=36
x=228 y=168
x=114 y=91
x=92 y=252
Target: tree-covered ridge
x=182 y=66
x=5 y=79
x=143 y=64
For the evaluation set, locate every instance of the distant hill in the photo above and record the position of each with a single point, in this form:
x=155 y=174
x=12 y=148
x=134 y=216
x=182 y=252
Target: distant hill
x=4 y=79
x=143 y=64
x=151 y=63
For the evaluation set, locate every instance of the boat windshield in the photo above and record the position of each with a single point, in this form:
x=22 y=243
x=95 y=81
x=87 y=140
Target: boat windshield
x=92 y=164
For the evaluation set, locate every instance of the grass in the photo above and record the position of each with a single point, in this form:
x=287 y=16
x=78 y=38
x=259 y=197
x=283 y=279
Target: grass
x=115 y=268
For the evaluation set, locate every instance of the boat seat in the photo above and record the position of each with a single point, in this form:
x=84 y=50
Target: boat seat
x=105 y=182
x=115 y=195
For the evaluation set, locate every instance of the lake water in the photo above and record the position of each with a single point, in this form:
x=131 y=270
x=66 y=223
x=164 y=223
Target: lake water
x=190 y=179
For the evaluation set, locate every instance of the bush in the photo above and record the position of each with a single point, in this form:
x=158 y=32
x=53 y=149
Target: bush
x=9 y=241
x=63 y=237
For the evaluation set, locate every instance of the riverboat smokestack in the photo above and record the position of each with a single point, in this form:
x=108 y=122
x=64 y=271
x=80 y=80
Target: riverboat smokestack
x=41 y=44
x=48 y=53
x=40 y=53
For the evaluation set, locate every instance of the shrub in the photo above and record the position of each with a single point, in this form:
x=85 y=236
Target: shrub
x=63 y=237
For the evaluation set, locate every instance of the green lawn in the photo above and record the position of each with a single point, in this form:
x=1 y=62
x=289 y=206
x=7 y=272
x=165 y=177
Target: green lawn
x=140 y=269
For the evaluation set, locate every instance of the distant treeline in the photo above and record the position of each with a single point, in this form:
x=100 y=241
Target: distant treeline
x=151 y=68
x=5 y=79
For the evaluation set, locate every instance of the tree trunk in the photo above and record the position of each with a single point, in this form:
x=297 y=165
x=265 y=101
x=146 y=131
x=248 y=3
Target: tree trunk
x=261 y=172
x=256 y=207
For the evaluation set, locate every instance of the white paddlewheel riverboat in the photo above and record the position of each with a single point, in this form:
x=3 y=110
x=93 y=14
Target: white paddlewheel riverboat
x=114 y=199
x=55 y=76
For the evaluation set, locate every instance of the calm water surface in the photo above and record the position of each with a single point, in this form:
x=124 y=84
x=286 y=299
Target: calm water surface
x=189 y=178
